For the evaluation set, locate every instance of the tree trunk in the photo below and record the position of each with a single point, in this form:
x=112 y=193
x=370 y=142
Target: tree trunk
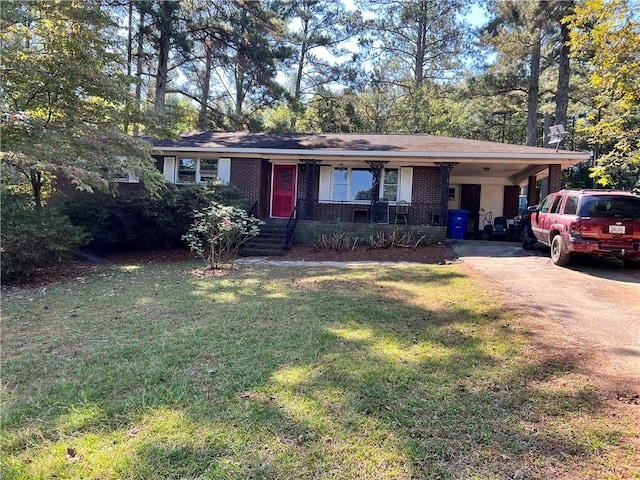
x=129 y=60
x=532 y=96
x=164 y=46
x=297 y=94
x=420 y=53
x=239 y=98
x=162 y=73
x=136 y=126
x=203 y=124
x=35 y=177
x=298 y=89
x=548 y=122
x=564 y=72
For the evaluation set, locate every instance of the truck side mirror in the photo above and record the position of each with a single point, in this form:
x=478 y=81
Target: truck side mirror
x=532 y=209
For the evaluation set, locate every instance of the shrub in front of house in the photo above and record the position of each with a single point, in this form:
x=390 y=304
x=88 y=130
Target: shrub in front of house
x=134 y=220
x=33 y=238
x=218 y=231
x=371 y=237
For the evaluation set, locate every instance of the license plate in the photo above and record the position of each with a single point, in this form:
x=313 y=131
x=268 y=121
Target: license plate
x=616 y=228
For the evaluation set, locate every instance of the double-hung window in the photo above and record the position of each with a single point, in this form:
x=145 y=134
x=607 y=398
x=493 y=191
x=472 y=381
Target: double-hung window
x=187 y=169
x=390 y=179
x=353 y=184
x=340 y=184
x=361 y=184
x=197 y=170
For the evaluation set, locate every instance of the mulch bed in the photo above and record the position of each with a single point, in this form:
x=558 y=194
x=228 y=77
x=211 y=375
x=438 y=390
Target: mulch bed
x=85 y=265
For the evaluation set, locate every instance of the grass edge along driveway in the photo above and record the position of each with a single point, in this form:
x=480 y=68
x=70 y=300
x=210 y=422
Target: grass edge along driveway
x=411 y=371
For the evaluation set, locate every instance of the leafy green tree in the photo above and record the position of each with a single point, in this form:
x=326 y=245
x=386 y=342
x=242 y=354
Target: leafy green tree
x=605 y=35
x=440 y=112
x=520 y=34
x=577 y=176
x=564 y=65
x=167 y=35
x=416 y=43
x=278 y=119
x=427 y=37
x=252 y=52
x=63 y=89
x=332 y=112
x=320 y=25
x=377 y=104
x=209 y=35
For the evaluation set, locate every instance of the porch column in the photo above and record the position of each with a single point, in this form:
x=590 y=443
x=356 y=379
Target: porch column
x=445 y=174
x=555 y=178
x=376 y=172
x=310 y=168
x=531 y=191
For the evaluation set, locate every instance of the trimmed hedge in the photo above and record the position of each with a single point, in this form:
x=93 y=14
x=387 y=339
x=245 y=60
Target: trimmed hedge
x=136 y=221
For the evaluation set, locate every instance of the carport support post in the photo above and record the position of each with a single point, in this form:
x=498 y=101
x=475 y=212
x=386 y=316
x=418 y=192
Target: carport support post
x=310 y=167
x=376 y=172
x=555 y=178
x=445 y=175
x=531 y=191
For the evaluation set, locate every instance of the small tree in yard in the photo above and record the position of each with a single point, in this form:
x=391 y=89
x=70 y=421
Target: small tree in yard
x=218 y=231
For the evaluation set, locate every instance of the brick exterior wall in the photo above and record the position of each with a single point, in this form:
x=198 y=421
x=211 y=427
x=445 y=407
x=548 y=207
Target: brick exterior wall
x=425 y=195
x=555 y=178
x=532 y=194
x=247 y=176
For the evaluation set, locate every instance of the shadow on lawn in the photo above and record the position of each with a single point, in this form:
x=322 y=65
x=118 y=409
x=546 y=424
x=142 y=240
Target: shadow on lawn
x=328 y=374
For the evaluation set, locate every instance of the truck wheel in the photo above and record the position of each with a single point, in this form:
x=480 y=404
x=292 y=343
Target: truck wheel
x=527 y=240
x=558 y=255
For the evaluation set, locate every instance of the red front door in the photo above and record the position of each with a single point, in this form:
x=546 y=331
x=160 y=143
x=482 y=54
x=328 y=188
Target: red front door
x=284 y=190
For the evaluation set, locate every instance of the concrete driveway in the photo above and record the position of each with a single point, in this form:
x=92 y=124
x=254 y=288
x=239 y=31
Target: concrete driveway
x=595 y=300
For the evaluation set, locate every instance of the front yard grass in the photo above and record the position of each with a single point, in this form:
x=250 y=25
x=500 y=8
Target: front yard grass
x=145 y=371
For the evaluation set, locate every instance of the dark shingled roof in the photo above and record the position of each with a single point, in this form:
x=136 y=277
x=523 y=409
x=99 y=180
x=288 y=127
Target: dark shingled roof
x=349 y=142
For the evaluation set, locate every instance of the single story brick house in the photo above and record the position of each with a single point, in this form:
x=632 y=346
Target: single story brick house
x=366 y=178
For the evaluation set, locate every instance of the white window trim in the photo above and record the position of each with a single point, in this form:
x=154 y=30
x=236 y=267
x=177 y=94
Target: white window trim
x=405 y=181
x=196 y=177
x=170 y=170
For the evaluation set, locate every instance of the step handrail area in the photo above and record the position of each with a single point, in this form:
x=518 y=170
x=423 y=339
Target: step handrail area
x=291 y=227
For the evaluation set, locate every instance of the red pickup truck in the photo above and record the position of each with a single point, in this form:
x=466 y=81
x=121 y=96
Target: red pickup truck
x=595 y=222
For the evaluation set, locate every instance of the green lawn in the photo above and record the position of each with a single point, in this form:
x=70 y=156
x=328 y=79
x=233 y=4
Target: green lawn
x=145 y=371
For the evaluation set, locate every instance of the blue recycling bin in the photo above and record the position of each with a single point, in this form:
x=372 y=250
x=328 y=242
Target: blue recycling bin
x=457 y=224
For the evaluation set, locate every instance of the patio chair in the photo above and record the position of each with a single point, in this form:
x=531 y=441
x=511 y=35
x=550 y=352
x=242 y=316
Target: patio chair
x=401 y=212
x=500 y=228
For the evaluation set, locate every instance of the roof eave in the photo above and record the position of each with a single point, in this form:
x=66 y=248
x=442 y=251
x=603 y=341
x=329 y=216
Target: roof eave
x=564 y=157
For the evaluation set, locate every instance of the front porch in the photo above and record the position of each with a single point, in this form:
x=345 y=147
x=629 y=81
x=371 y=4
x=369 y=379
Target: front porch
x=417 y=213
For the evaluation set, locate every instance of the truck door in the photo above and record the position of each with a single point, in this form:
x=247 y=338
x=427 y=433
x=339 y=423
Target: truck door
x=538 y=220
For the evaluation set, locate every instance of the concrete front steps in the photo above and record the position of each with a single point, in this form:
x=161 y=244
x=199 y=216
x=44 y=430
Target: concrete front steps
x=270 y=242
